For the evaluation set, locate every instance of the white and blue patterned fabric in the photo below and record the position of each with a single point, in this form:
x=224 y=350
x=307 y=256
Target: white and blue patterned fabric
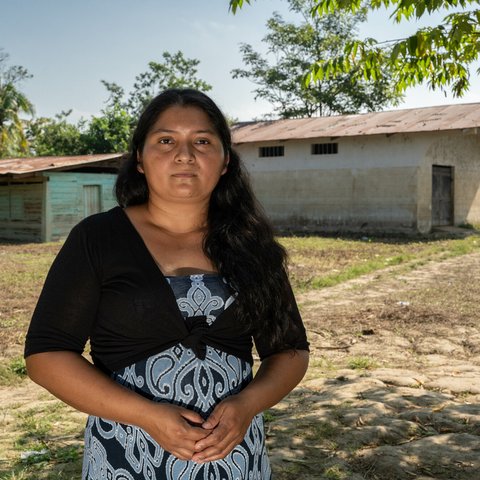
x=114 y=451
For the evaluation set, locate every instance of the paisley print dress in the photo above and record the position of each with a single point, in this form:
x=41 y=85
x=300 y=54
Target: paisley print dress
x=115 y=451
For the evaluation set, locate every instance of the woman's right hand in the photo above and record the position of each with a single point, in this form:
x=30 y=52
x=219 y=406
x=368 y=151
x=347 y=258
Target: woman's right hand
x=174 y=428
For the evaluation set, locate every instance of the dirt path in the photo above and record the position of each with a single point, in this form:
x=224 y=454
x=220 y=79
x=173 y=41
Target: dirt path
x=393 y=391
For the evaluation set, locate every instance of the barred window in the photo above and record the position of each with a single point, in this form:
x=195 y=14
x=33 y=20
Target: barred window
x=324 y=148
x=272 y=151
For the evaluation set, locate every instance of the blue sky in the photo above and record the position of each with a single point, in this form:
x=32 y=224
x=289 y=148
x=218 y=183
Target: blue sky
x=70 y=45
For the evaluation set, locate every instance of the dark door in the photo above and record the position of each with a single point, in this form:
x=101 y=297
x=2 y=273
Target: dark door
x=442 y=196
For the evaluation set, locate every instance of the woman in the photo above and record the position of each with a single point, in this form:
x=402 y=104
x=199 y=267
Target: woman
x=170 y=288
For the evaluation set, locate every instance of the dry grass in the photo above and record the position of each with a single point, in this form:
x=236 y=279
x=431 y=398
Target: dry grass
x=364 y=316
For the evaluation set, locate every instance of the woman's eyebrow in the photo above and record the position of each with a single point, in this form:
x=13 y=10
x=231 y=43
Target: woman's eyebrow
x=167 y=130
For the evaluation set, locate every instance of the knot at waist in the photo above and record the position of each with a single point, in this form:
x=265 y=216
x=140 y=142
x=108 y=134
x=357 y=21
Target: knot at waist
x=197 y=327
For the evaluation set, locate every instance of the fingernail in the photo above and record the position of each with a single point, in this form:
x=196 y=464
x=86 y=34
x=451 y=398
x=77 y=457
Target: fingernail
x=207 y=425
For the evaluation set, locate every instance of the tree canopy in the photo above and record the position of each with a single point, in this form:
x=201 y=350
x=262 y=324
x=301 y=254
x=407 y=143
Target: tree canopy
x=293 y=48
x=55 y=136
x=175 y=71
x=439 y=56
x=13 y=103
x=110 y=131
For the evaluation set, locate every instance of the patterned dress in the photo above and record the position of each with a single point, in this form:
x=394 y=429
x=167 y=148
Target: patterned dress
x=115 y=451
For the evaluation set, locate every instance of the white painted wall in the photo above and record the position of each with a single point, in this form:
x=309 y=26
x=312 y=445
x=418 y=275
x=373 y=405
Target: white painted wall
x=373 y=183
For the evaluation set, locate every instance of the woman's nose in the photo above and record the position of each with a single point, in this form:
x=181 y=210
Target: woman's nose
x=185 y=153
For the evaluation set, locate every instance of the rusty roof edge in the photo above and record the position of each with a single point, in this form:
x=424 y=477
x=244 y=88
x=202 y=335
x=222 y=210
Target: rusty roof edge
x=67 y=161
x=412 y=120
x=351 y=135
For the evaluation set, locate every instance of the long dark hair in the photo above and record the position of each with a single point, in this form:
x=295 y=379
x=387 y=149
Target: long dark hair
x=240 y=239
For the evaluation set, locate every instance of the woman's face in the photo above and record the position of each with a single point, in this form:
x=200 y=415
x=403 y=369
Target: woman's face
x=183 y=156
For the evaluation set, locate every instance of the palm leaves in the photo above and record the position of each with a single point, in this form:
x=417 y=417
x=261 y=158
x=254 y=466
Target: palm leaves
x=13 y=104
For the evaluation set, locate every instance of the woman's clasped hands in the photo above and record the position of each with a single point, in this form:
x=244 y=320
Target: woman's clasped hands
x=185 y=434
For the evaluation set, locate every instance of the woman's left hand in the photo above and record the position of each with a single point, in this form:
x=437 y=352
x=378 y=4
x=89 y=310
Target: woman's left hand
x=229 y=420
x=278 y=374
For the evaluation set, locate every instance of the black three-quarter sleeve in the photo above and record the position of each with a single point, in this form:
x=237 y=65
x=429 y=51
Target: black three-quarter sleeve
x=294 y=335
x=66 y=309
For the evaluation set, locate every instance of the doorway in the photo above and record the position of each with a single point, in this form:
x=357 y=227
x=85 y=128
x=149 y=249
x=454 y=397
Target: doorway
x=92 y=201
x=442 y=196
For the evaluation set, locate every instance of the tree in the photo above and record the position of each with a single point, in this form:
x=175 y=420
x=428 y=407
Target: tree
x=294 y=48
x=175 y=71
x=13 y=103
x=439 y=55
x=109 y=133
x=55 y=136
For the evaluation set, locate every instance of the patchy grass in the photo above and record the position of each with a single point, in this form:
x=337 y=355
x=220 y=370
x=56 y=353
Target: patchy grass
x=46 y=440
x=335 y=473
x=31 y=420
x=13 y=371
x=361 y=363
x=318 y=262
x=23 y=271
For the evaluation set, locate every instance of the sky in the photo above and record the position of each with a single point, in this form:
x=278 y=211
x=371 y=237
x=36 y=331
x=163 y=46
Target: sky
x=69 y=46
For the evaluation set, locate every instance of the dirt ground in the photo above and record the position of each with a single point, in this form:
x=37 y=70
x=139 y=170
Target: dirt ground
x=393 y=390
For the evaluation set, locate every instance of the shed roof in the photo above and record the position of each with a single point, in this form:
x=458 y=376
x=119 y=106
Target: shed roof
x=21 y=166
x=428 y=119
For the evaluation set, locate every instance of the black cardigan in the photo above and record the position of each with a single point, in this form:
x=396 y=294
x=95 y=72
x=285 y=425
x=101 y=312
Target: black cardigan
x=104 y=286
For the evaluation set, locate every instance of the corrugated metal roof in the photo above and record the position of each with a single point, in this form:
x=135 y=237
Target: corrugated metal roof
x=428 y=119
x=19 y=166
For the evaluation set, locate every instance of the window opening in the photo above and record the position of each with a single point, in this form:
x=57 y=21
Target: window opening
x=324 y=148
x=272 y=151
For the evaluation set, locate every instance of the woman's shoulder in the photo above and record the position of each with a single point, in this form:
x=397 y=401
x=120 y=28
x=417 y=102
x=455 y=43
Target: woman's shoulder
x=101 y=221
x=101 y=228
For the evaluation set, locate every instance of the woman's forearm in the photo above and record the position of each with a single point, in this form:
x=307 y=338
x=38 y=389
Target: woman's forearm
x=77 y=382
x=73 y=379
x=278 y=375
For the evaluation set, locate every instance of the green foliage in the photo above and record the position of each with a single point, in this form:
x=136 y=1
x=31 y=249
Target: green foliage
x=293 y=49
x=13 y=103
x=439 y=56
x=236 y=4
x=55 y=136
x=175 y=71
x=109 y=133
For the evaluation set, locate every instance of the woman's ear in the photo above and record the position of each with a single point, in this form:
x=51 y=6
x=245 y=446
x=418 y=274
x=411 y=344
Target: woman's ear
x=139 y=163
x=225 y=164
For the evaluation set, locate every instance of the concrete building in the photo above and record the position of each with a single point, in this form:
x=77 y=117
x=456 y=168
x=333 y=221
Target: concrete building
x=396 y=171
x=42 y=198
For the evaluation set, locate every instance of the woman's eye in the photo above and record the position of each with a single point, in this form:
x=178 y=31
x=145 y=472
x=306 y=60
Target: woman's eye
x=203 y=141
x=165 y=141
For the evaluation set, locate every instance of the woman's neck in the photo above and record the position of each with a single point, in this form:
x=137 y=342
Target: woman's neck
x=177 y=219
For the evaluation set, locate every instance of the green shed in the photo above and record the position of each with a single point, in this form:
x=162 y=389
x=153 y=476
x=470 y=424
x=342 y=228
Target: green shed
x=42 y=198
